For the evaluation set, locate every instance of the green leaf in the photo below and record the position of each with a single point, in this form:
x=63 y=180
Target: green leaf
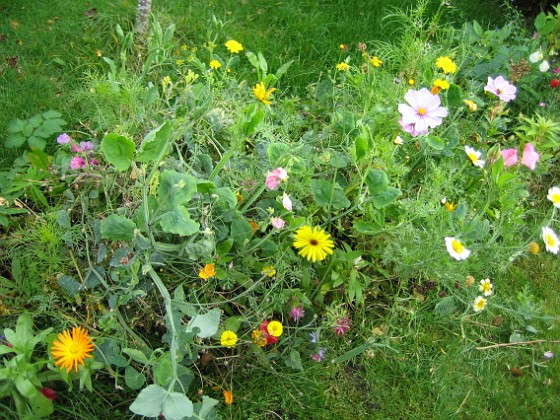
x=226 y=197
x=16 y=126
x=177 y=406
x=117 y=228
x=49 y=127
x=14 y=140
x=163 y=372
x=376 y=181
x=262 y=62
x=118 y=150
x=454 y=95
x=149 y=402
x=69 y=285
x=233 y=323
x=37 y=142
x=176 y=188
x=155 y=144
x=39 y=159
x=240 y=231
x=327 y=193
x=446 y=306
x=361 y=147
x=179 y=221
x=367 y=228
x=383 y=199
x=133 y=378
x=435 y=142
x=136 y=355
x=294 y=361
x=358 y=350
x=283 y=69
x=207 y=323
x=24 y=330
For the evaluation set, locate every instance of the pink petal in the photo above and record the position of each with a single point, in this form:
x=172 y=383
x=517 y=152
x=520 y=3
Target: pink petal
x=530 y=157
x=510 y=156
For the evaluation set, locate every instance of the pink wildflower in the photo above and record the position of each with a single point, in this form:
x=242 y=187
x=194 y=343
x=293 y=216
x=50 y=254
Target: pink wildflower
x=342 y=326
x=320 y=355
x=297 y=313
x=422 y=112
x=93 y=162
x=510 y=156
x=287 y=202
x=501 y=88
x=49 y=393
x=63 y=139
x=77 y=162
x=75 y=148
x=275 y=177
x=530 y=157
x=277 y=222
x=86 y=145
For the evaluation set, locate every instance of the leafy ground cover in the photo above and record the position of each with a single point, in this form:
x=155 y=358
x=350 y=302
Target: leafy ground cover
x=351 y=214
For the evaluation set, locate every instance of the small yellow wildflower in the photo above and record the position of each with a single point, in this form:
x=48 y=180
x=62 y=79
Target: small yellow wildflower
x=275 y=328
x=411 y=82
x=343 y=47
x=269 y=271
x=439 y=85
x=234 y=46
x=262 y=94
x=215 y=64
x=446 y=64
x=470 y=104
x=179 y=62
x=207 y=271
x=376 y=62
x=259 y=338
x=342 y=66
x=534 y=248
x=228 y=397
x=450 y=206
x=228 y=339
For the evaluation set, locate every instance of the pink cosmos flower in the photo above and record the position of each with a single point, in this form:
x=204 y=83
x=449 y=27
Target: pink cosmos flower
x=277 y=222
x=530 y=157
x=510 y=156
x=297 y=313
x=275 y=177
x=501 y=88
x=77 y=162
x=287 y=202
x=63 y=139
x=422 y=112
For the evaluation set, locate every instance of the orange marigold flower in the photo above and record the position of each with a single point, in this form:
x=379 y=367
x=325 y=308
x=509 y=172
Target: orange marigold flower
x=207 y=271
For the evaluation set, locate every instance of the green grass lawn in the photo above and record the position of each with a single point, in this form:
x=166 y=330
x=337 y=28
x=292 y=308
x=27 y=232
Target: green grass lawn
x=429 y=365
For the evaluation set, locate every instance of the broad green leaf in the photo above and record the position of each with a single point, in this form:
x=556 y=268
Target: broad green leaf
x=16 y=126
x=155 y=144
x=179 y=221
x=435 y=142
x=117 y=228
x=163 y=372
x=110 y=353
x=37 y=142
x=276 y=151
x=207 y=323
x=233 y=323
x=454 y=95
x=69 y=285
x=24 y=329
x=150 y=401
x=361 y=147
x=133 y=378
x=294 y=361
x=14 y=140
x=39 y=159
x=386 y=197
x=262 y=62
x=136 y=355
x=283 y=69
x=376 y=181
x=240 y=231
x=177 y=406
x=327 y=193
x=49 y=127
x=176 y=188
x=118 y=150
x=367 y=228
x=226 y=197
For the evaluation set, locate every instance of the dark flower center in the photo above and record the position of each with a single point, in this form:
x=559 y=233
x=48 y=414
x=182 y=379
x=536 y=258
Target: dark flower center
x=314 y=242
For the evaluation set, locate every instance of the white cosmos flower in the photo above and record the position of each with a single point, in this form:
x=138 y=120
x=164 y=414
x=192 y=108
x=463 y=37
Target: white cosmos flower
x=486 y=287
x=474 y=156
x=544 y=66
x=456 y=249
x=550 y=240
x=479 y=304
x=554 y=196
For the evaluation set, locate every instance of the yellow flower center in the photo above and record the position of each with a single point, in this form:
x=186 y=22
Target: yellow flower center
x=555 y=198
x=457 y=247
x=74 y=349
x=421 y=111
x=472 y=156
x=500 y=91
x=550 y=241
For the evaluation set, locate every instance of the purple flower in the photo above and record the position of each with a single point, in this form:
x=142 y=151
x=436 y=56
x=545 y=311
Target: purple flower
x=297 y=313
x=314 y=337
x=77 y=162
x=556 y=70
x=342 y=326
x=501 y=88
x=320 y=355
x=510 y=156
x=86 y=145
x=530 y=157
x=422 y=112
x=93 y=162
x=548 y=355
x=63 y=139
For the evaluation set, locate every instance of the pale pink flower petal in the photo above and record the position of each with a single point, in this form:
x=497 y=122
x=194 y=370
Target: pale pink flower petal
x=510 y=156
x=277 y=222
x=501 y=88
x=275 y=177
x=287 y=202
x=530 y=157
x=77 y=162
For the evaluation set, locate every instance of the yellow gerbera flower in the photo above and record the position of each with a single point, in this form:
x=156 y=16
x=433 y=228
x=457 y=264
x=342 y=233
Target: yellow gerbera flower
x=207 y=271
x=342 y=66
x=215 y=64
x=446 y=64
x=262 y=94
x=228 y=339
x=233 y=46
x=313 y=243
x=275 y=328
x=70 y=350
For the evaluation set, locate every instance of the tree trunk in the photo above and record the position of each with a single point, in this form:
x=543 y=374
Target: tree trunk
x=143 y=11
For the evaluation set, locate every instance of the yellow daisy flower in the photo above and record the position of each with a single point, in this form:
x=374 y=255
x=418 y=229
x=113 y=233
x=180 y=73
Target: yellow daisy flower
x=215 y=64
x=446 y=64
x=275 y=328
x=228 y=339
x=376 y=62
x=313 y=243
x=70 y=350
x=262 y=94
x=479 y=304
x=234 y=46
x=342 y=66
